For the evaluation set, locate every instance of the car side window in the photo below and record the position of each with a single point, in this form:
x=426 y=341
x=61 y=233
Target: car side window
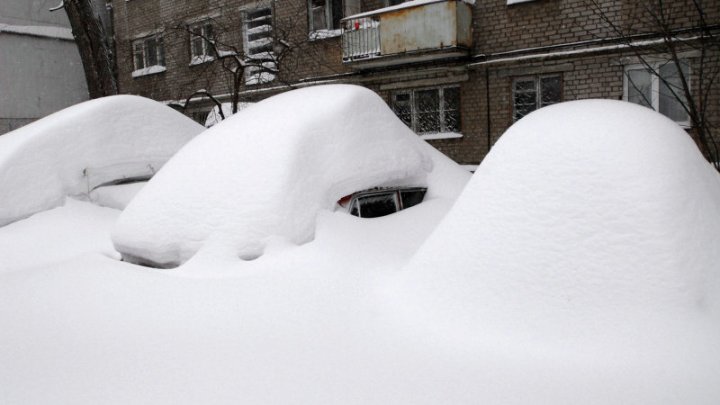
x=378 y=205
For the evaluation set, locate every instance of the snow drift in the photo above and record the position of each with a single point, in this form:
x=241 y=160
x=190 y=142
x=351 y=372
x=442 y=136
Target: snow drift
x=74 y=150
x=590 y=231
x=268 y=170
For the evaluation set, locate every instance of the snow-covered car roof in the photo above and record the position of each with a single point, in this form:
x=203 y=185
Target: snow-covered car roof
x=74 y=150
x=269 y=170
x=589 y=224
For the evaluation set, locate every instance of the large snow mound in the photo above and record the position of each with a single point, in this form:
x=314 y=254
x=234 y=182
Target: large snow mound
x=585 y=206
x=268 y=171
x=76 y=149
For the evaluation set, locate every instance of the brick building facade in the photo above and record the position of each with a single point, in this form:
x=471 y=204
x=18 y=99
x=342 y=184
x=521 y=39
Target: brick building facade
x=460 y=84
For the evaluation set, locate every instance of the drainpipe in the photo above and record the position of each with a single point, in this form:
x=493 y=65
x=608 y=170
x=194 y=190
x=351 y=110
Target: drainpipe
x=487 y=107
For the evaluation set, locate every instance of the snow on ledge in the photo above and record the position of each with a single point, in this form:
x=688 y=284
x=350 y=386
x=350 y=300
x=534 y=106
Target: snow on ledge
x=38 y=31
x=150 y=70
x=323 y=34
x=407 y=4
x=200 y=59
x=441 y=135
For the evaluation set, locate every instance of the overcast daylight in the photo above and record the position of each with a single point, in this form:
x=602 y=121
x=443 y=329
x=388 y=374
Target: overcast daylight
x=360 y=202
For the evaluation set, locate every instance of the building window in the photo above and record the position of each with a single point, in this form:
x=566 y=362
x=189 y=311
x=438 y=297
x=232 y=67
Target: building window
x=201 y=47
x=324 y=16
x=533 y=92
x=430 y=110
x=258 y=41
x=659 y=86
x=148 y=56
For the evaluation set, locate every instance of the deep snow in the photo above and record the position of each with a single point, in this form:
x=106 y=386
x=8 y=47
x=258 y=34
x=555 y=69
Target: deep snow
x=503 y=304
x=72 y=151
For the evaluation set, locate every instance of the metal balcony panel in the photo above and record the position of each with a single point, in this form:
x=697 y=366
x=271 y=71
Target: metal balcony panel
x=413 y=31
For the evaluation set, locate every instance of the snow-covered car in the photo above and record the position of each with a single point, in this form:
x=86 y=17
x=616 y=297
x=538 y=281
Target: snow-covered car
x=256 y=176
x=87 y=146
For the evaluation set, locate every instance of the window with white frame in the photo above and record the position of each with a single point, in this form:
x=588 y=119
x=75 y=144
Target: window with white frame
x=660 y=87
x=533 y=92
x=148 y=55
x=201 y=47
x=258 y=41
x=429 y=110
x=324 y=15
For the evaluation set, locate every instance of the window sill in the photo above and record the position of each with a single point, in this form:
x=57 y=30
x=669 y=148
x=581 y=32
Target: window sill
x=441 y=135
x=324 y=34
x=150 y=70
x=199 y=60
x=511 y=2
x=224 y=54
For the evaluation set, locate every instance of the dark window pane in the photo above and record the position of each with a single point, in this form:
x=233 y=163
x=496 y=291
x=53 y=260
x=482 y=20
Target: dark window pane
x=378 y=205
x=549 y=90
x=196 y=44
x=318 y=15
x=524 y=98
x=260 y=49
x=427 y=105
x=151 y=52
x=410 y=198
x=259 y=35
x=260 y=13
x=160 y=51
x=337 y=13
x=427 y=100
x=428 y=122
x=452 y=121
x=672 y=93
x=639 y=85
x=139 y=55
x=401 y=106
x=525 y=85
x=451 y=105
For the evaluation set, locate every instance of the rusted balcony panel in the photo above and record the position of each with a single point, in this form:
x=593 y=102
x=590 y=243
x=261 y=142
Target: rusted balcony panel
x=408 y=32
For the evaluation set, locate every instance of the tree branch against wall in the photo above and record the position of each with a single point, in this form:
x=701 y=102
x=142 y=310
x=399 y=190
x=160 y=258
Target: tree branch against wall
x=677 y=37
x=242 y=50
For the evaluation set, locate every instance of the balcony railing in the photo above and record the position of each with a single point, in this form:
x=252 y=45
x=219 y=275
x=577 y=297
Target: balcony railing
x=361 y=38
x=412 y=31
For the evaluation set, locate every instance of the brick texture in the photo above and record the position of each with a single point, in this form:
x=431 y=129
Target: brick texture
x=575 y=39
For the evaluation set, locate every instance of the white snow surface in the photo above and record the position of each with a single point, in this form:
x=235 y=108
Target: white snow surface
x=54 y=236
x=270 y=169
x=76 y=149
x=215 y=118
x=116 y=196
x=587 y=236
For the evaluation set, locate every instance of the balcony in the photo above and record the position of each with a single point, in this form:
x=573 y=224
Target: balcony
x=416 y=31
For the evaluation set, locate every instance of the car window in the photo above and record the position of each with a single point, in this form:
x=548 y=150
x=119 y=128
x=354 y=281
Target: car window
x=378 y=205
x=411 y=197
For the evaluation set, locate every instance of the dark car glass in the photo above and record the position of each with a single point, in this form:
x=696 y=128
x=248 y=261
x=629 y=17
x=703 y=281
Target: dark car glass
x=377 y=205
x=412 y=197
